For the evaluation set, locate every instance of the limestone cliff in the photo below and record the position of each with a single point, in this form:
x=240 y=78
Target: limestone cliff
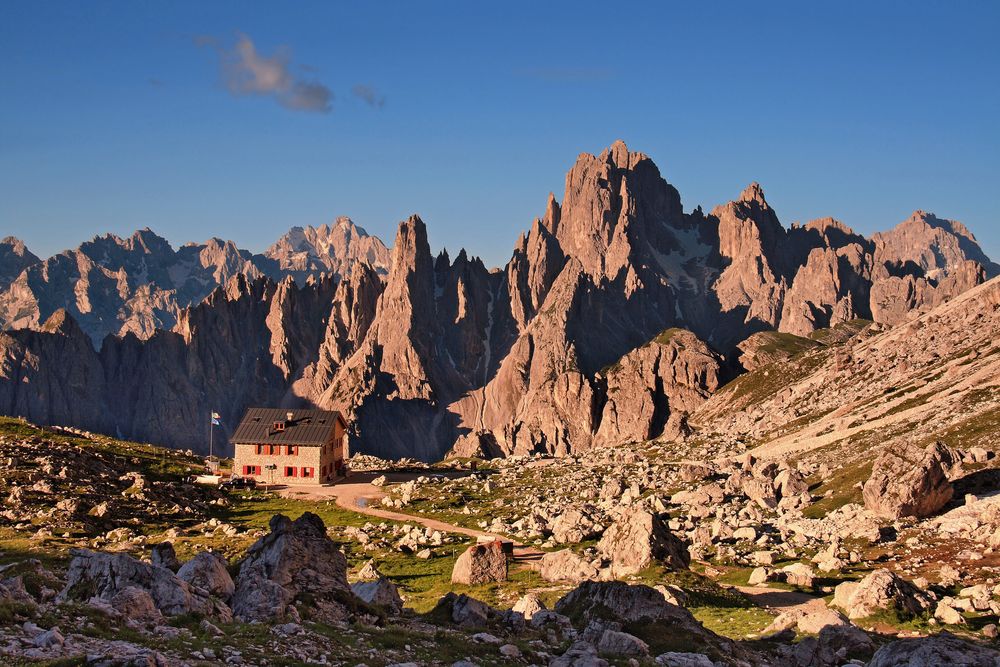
x=560 y=350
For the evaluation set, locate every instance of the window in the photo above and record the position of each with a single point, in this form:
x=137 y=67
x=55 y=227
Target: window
x=293 y=450
x=307 y=472
x=275 y=450
x=278 y=426
x=251 y=470
x=260 y=449
x=290 y=471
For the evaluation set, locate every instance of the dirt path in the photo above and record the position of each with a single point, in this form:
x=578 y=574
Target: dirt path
x=358 y=494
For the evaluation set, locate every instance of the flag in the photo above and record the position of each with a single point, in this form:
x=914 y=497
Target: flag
x=216 y=419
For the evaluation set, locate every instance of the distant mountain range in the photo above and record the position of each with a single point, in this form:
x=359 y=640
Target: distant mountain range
x=616 y=316
x=139 y=284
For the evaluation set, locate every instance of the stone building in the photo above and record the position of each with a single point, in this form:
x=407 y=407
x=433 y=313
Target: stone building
x=280 y=446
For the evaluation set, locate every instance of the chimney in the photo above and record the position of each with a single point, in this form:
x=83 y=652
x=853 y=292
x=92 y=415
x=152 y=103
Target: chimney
x=289 y=415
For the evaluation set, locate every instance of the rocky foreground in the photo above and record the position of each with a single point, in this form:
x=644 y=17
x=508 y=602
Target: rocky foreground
x=627 y=555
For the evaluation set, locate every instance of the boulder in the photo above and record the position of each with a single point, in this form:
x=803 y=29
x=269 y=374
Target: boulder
x=465 y=611
x=761 y=491
x=480 y=564
x=695 y=472
x=566 y=565
x=579 y=654
x=798 y=574
x=381 y=593
x=908 y=481
x=574 y=526
x=621 y=644
x=814 y=622
x=295 y=562
x=627 y=604
x=682 y=659
x=832 y=646
x=940 y=650
x=52 y=638
x=948 y=615
x=105 y=575
x=208 y=571
x=529 y=605
x=369 y=572
x=640 y=538
x=136 y=605
x=163 y=555
x=882 y=590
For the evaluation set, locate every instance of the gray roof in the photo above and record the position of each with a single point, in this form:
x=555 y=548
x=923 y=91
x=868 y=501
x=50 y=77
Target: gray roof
x=307 y=427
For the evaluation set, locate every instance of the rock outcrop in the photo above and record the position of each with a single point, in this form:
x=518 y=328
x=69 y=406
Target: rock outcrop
x=908 y=482
x=480 y=564
x=942 y=649
x=638 y=539
x=295 y=564
x=637 y=606
x=674 y=373
x=106 y=575
x=208 y=571
x=380 y=592
x=882 y=590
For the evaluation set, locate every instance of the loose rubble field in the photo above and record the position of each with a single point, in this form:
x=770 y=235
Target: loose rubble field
x=654 y=553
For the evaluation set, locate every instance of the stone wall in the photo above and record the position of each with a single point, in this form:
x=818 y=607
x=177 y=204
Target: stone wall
x=317 y=458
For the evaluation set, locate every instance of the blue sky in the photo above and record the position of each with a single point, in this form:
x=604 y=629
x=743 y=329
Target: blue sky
x=116 y=116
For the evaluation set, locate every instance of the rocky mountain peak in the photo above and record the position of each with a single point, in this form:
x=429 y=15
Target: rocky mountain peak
x=148 y=241
x=410 y=248
x=61 y=322
x=617 y=212
x=931 y=245
x=419 y=351
x=754 y=194
x=621 y=157
x=552 y=212
x=15 y=245
x=14 y=258
x=304 y=251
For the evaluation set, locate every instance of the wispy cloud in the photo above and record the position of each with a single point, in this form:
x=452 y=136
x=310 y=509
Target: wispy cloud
x=247 y=72
x=368 y=95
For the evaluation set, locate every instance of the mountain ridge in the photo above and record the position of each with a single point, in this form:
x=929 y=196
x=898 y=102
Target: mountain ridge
x=139 y=284
x=440 y=354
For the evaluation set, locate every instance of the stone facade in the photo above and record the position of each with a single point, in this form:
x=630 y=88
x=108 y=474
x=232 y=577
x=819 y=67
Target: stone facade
x=295 y=464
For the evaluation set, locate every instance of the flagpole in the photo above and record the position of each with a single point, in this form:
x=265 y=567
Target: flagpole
x=211 y=433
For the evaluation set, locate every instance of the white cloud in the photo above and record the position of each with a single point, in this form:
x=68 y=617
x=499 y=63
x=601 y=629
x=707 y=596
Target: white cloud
x=247 y=72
